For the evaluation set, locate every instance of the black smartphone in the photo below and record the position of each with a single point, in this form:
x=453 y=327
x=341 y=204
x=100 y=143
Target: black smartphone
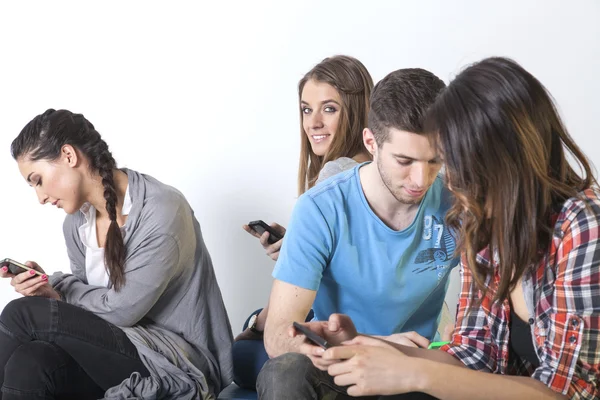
x=16 y=268
x=310 y=335
x=260 y=227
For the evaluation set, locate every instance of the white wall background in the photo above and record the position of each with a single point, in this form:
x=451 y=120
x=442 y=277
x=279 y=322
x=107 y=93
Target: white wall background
x=203 y=96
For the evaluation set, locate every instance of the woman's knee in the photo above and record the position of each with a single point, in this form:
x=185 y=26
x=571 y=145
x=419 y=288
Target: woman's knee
x=33 y=365
x=21 y=315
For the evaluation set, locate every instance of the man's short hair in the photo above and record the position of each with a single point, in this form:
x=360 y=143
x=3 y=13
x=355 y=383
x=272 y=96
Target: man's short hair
x=401 y=100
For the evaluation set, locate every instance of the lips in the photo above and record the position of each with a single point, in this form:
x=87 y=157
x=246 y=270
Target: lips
x=319 y=138
x=414 y=193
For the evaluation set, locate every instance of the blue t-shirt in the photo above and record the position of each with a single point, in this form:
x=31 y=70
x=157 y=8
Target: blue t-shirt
x=387 y=281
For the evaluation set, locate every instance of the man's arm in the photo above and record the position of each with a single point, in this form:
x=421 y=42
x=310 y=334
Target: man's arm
x=288 y=303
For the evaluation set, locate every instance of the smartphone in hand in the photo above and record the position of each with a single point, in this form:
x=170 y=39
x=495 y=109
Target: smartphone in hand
x=260 y=227
x=16 y=268
x=310 y=335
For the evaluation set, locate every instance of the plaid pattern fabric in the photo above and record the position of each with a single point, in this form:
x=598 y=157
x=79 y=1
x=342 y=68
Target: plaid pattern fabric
x=565 y=288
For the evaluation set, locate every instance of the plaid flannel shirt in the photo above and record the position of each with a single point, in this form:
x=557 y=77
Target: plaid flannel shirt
x=564 y=313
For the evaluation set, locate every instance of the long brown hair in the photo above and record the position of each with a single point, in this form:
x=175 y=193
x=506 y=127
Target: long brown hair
x=354 y=84
x=43 y=138
x=505 y=150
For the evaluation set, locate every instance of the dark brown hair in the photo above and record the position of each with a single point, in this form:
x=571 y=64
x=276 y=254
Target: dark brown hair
x=401 y=100
x=353 y=83
x=505 y=150
x=43 y=139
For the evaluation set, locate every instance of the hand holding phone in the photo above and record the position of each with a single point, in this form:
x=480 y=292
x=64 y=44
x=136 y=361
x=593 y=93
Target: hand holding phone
x=260 y=227
x=311 y=336
x=16 y=268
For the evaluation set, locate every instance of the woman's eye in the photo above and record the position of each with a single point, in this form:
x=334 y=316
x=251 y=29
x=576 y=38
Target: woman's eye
x=330 y=109
x=306 y=110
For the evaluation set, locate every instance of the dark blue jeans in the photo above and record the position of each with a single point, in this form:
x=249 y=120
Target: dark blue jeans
x=54 y=350
x=292 y=376
x=249 y=356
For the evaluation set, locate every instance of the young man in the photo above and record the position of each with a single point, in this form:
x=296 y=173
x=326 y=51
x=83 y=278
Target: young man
x=370 y=242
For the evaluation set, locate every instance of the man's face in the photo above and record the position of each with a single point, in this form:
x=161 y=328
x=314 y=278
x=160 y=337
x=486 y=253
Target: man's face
x=408 y=164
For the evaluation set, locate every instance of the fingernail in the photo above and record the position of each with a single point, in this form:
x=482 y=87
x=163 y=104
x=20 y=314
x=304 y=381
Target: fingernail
x=319 y=351
x=4 y=269
x=44 y=277
x=31 y=272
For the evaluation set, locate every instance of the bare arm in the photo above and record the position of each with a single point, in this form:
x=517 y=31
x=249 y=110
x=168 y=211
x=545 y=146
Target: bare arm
x=448 y=382
x=287 y=303
x=370 y=366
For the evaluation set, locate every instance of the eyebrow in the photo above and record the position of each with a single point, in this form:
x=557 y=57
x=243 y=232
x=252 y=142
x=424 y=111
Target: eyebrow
x=323 y=102
x=412 y=158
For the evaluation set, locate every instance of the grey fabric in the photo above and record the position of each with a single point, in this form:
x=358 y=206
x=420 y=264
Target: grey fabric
x=170 y=287
x=334 y=167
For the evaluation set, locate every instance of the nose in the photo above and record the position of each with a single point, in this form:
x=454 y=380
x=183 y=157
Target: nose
x=315 y=120
x=42 y=197
x=420 y=174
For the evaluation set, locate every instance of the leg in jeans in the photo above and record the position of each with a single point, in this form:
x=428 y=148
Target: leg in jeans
x=292 y=376
x=99 y=348
x=249 y=356
x=42 y=370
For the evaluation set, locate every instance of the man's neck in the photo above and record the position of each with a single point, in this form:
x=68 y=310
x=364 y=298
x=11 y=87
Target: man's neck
x=395 y=214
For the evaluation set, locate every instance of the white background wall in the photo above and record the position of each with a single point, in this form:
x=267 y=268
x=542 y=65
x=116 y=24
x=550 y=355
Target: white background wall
x=203 y=96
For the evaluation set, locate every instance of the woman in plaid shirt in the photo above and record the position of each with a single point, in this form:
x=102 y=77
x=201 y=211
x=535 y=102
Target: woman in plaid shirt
x=529 y=310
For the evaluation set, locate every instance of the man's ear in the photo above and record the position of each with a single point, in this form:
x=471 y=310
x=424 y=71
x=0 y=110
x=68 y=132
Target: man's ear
x=69 y=155
x=369 y=141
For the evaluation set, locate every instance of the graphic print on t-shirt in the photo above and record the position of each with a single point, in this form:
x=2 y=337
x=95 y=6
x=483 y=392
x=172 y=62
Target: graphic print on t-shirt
x=443 y=245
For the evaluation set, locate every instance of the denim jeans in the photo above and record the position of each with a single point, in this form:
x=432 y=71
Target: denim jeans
x=54 y=350
x=292 y=376
x=249 y=356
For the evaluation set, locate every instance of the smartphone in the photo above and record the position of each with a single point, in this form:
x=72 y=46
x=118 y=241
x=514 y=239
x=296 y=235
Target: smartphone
x=310 y=335
x=260 y=227
x=16 y=268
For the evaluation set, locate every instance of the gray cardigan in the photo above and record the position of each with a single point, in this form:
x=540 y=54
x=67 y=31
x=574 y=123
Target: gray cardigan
x=335 y=167
x=170 y=306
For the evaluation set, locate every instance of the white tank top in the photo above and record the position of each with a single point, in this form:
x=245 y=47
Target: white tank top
x=95 y=268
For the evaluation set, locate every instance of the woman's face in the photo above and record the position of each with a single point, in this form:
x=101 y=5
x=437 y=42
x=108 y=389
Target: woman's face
x=56 y=182
x=321 y=106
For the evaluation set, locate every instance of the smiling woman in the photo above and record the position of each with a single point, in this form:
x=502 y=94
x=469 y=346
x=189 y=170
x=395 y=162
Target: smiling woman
x=334 y=104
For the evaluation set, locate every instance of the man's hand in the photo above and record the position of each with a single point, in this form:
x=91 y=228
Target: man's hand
x=339 y=328
x=410 y=339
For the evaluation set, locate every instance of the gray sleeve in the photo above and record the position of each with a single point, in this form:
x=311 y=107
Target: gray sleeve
x=329 y=169
x=149 y=269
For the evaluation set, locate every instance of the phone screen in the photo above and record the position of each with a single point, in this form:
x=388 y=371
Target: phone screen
x=313 y=337
x=260 y=227
x=15 y=267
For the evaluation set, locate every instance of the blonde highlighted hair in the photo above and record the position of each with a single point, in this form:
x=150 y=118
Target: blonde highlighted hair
x=354 y=84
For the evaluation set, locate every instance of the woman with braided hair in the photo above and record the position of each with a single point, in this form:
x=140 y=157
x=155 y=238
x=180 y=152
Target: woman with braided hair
x=141 y=314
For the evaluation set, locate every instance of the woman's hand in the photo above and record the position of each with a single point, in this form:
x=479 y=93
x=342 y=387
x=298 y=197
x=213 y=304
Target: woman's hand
x=29 y=283
x=370 y=366
x=271 y=249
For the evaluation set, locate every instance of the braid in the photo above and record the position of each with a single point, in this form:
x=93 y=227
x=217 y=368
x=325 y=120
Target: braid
x=114 y=249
